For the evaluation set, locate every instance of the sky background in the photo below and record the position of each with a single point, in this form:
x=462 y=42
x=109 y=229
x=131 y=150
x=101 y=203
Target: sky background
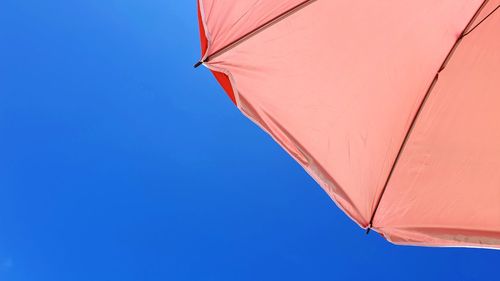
x=119 y=161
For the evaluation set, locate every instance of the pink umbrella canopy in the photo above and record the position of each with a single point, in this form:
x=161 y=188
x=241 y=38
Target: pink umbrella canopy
x=393 y=107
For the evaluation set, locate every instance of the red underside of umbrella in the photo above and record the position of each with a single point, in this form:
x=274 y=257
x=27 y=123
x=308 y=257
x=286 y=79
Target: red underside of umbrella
x=222 y=78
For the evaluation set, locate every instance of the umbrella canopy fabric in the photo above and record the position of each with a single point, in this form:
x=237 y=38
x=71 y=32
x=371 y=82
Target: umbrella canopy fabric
x=393 y=107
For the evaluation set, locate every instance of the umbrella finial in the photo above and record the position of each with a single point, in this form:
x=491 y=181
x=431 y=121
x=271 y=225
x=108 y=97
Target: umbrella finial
x=368 y=229
x=198 y=64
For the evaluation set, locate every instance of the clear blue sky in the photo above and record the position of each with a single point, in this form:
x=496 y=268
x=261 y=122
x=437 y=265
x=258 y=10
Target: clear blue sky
x=119 y=161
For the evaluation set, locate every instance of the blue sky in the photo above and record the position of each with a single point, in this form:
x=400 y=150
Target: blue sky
x=119 y=161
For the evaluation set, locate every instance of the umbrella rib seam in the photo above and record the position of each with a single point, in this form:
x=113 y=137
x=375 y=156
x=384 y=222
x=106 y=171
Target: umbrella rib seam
x=479 y=23
x=258 y=29
x=421 y=106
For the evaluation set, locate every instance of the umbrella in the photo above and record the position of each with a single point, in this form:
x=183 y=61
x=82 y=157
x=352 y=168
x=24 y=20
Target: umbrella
x=393 y=107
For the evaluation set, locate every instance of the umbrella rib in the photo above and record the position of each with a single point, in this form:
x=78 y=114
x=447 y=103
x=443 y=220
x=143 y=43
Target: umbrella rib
x=487 y=16
x=421 y=106
x=256 y=30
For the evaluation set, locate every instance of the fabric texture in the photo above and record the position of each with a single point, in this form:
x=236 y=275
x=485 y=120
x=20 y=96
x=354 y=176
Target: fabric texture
x=384 y=103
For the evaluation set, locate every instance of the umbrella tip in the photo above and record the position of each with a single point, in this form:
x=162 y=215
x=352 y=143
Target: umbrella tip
x=198 y=64
x=368 y=229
